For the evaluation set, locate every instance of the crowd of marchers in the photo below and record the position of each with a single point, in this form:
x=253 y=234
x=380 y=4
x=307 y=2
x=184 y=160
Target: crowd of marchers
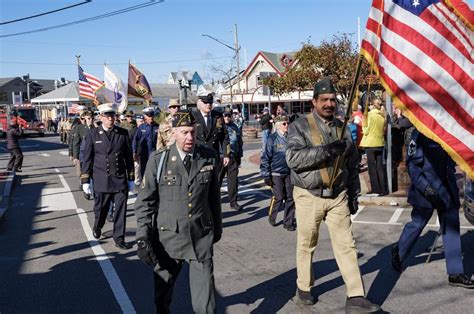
x=176 y=161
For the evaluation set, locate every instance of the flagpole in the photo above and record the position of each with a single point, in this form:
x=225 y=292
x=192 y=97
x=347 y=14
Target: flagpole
x=347 y=116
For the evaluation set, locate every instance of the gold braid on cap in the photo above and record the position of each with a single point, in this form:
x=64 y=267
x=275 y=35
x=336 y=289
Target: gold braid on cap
x=183 y=115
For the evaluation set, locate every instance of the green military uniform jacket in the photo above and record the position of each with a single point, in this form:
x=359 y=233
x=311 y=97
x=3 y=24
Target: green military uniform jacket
x=186 y=209
x=78 y=133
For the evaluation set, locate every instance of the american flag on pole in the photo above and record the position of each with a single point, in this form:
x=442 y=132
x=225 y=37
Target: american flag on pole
x=423 y=53
x=88 y=84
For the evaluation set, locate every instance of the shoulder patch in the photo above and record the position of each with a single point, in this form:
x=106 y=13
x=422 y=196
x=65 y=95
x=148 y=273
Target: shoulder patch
x=411 y=148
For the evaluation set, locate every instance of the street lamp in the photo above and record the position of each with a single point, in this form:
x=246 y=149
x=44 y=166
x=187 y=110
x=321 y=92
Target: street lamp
x=236 y=49
x=185 y=87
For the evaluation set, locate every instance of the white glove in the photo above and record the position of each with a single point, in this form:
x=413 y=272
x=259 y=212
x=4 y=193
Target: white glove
x=86 y=187
x=131 y=186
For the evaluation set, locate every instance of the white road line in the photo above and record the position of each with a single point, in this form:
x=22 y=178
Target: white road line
x=437 y=221
x=396 y=215
x=400 y=224
x=45 y=155
x=102 y=258
x=361 y=208
x=64 y=153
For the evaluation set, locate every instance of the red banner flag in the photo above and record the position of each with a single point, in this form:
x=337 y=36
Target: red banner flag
x=423 y=54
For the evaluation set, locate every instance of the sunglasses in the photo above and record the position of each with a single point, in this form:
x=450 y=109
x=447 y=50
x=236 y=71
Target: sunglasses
x=174 y=107
x=284 y=123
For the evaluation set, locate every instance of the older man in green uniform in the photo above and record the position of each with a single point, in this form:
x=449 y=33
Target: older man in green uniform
x=179 y=216
x=313 y=147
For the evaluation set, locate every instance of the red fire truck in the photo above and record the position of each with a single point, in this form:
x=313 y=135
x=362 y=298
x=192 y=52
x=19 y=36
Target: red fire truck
x=28 y=119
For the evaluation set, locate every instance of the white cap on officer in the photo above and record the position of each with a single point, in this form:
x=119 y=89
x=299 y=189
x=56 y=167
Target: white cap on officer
x=107 y=108
x=148 y=111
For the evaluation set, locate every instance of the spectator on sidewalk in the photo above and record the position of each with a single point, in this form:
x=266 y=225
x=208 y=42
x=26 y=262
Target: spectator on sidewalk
x=373 y=141
x=276 y=174
x=16 y=155
x=266 y=121
x=313 y=147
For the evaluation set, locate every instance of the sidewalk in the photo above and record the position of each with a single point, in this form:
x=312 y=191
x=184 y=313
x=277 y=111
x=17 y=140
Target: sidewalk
x=6 y=183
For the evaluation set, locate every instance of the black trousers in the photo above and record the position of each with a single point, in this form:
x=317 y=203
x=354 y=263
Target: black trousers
x=283 y=199
x=102 y=203
x=232 y=171
x=377 y=172
x=201 y=283
x=16 y=159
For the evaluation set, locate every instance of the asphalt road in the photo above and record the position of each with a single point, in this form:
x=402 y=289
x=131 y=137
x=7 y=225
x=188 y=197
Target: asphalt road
x=49 y=262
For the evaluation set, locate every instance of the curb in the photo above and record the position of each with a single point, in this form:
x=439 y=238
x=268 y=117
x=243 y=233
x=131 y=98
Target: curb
x=7 y=188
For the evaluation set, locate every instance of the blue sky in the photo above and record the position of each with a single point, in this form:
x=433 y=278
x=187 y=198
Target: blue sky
x=164 y=37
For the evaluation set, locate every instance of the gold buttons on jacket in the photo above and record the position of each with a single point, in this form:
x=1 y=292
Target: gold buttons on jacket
x=190 y=194
x=190 y=205
x=190 y=215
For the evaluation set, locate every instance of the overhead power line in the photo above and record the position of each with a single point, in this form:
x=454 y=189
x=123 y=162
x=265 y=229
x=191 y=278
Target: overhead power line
x=97 y=17
x=45 y=13
x=117 y=63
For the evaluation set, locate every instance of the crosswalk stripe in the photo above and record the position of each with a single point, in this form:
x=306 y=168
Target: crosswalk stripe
x=396 y=215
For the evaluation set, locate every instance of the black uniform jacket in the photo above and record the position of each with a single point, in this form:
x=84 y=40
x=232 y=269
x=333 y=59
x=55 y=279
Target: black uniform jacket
x=108 y=161
x=215 y=138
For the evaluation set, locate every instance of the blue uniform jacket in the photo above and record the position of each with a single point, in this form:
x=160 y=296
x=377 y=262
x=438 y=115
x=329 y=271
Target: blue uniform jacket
x=144 y=141
x=429 y=165
x=273 y=159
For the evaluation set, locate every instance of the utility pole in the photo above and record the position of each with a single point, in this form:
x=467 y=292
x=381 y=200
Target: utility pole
x=237 y=56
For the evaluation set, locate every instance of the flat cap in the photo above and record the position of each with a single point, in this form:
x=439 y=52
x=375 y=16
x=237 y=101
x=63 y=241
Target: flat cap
x=183 y=118
x=324 y=87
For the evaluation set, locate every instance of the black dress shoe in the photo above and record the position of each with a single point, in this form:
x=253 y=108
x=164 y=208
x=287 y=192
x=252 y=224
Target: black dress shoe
x=236 y=206
x=96 y=232
x=18 y=170
x=121 y=244
x=272 y=221
x=305 y=297
x=360 y=305
x=396 y=260
x=289 y=227
x=461 y=281
x=9 y=169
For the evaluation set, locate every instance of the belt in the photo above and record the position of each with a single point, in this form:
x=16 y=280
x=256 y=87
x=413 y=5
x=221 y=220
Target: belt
x=326 y=192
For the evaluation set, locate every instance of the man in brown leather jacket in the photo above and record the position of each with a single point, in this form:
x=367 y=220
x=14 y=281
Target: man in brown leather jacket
x=312 y=151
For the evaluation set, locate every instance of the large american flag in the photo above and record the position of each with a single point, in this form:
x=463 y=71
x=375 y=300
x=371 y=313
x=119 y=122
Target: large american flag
x=88 y=84
x=423 y=53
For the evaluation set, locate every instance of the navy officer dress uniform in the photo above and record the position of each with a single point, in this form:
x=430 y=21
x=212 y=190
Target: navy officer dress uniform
x=108 y=161
x=212 y=133
x=178 y=212
x=433 y=186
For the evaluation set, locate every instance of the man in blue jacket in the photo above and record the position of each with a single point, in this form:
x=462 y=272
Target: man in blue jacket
x=433 y=186
x=144 y=141
x=276 y=174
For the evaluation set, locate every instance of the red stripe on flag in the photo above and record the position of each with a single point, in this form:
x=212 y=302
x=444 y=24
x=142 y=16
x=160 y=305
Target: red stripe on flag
x=432 y=51
x=430 y=85
x=462 y=32
x=441 y=28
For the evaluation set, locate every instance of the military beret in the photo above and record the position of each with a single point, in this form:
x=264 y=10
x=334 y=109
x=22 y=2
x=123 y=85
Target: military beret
x=183 y=118
x=324 y=87
x=281 y=118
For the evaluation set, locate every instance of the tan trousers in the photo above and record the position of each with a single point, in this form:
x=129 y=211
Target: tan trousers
x=310 y=212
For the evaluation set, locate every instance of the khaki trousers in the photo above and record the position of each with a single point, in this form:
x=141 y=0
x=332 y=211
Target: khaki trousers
x=310 y=212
